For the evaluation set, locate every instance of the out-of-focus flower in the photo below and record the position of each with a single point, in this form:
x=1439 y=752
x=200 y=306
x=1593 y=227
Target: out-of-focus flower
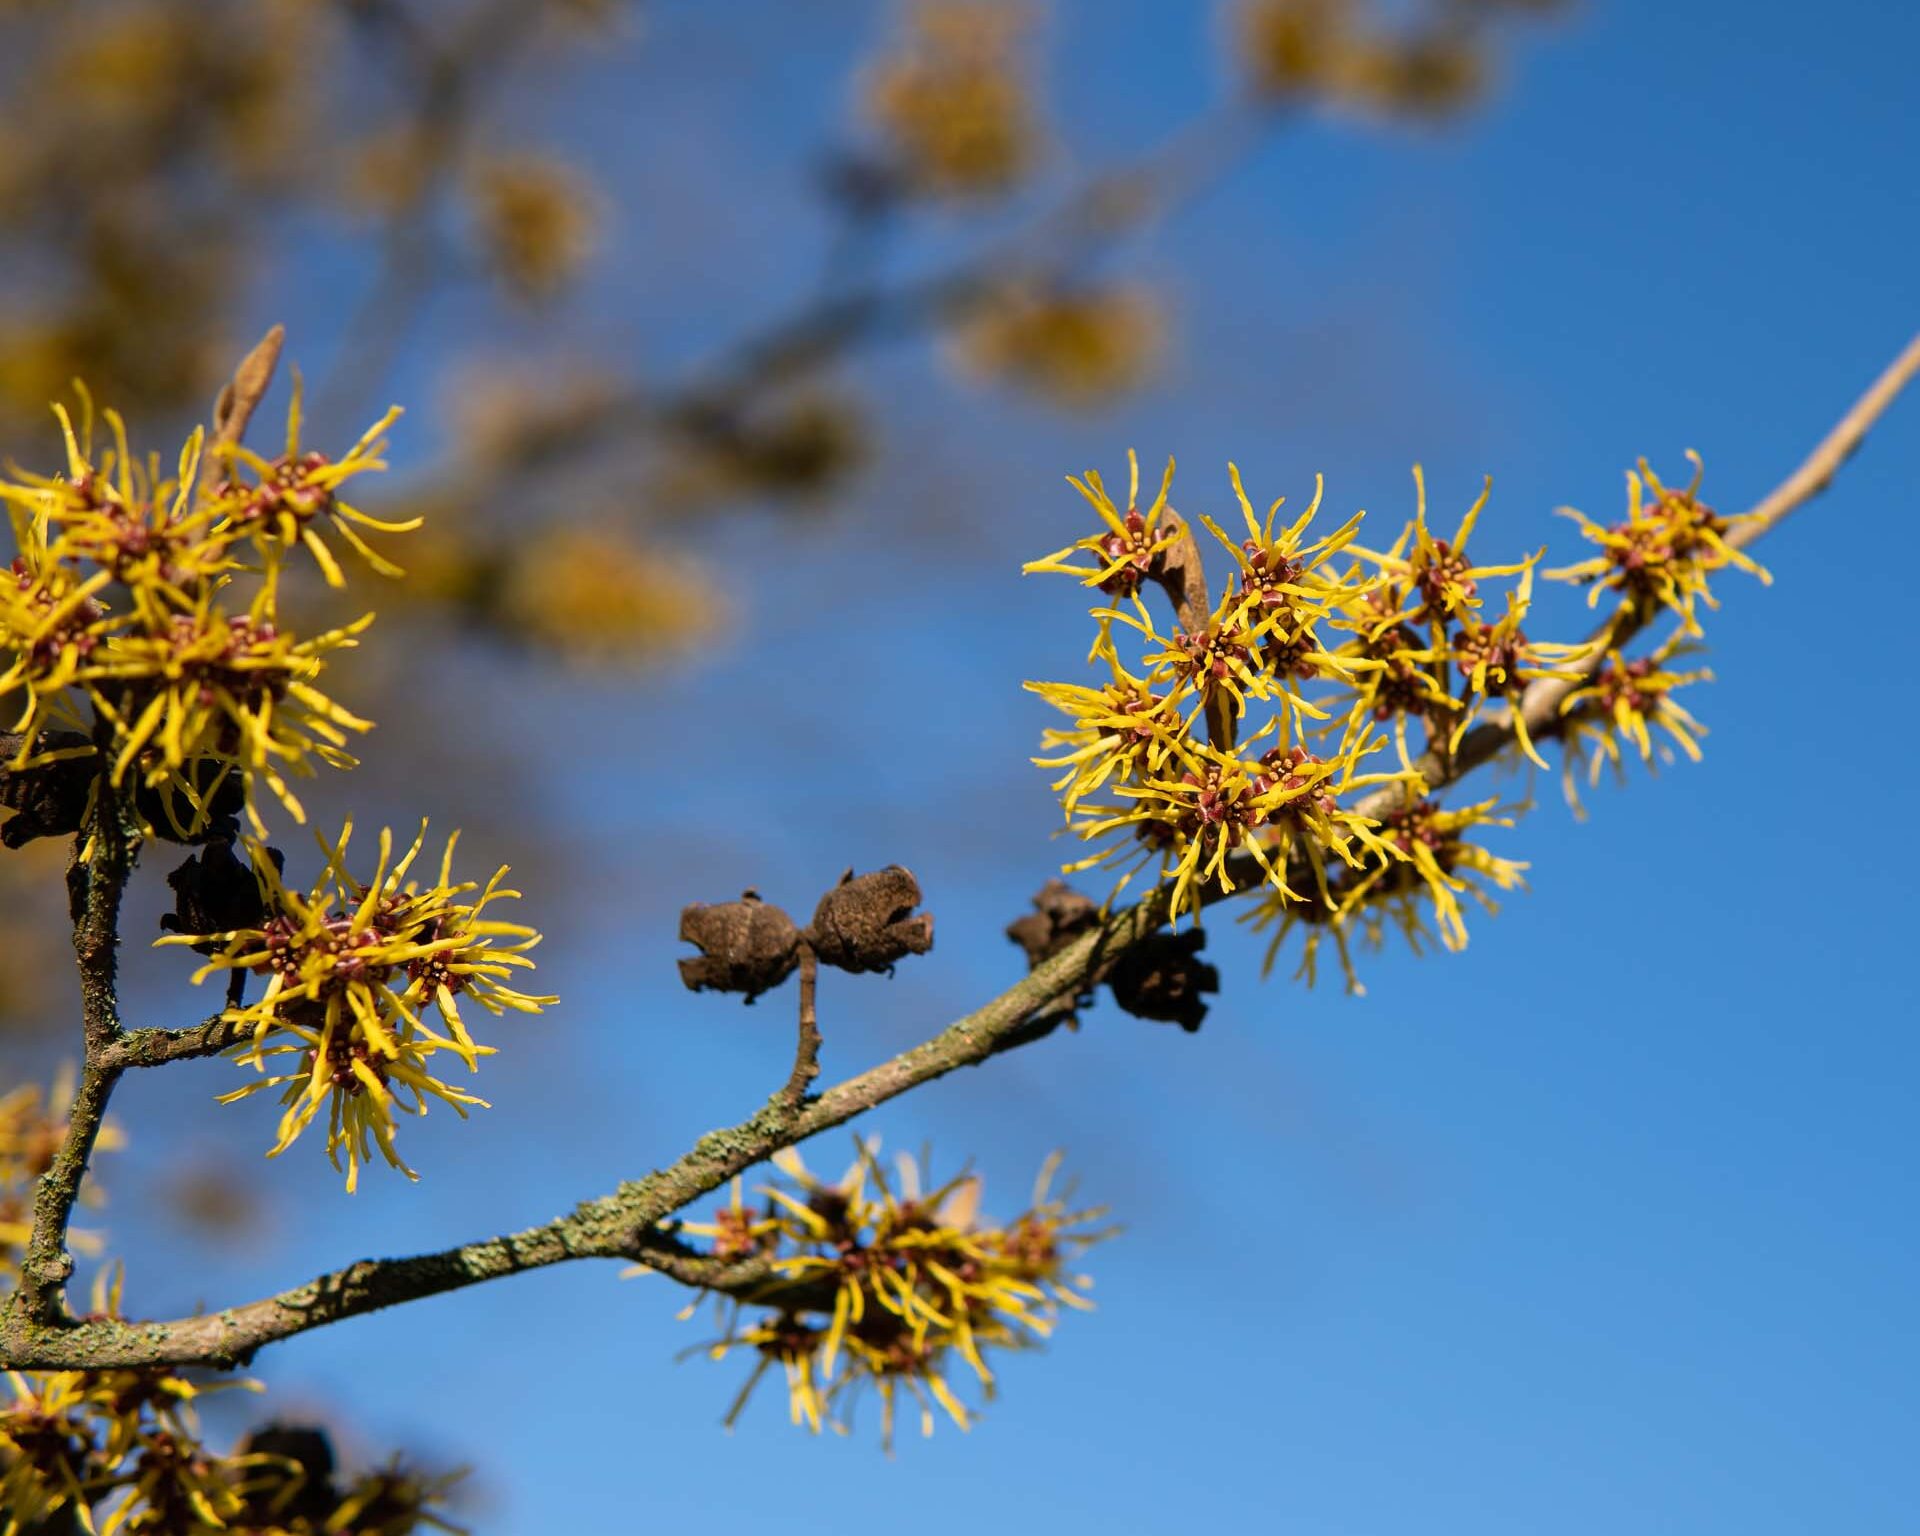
x=1423 y=61
x=1290 y=47
x=536 y=219
x=33 y=1124
x=595 y=595
x=949 y=101
x=1077 y=347
x=352 y=968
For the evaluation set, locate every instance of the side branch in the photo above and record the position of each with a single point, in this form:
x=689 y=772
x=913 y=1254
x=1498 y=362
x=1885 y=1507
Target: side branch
x=96 y=881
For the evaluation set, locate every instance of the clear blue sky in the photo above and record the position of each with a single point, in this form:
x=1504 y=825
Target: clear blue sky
x=1607 y=1224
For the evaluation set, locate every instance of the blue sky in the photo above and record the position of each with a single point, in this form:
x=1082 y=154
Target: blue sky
x=1604 y=1225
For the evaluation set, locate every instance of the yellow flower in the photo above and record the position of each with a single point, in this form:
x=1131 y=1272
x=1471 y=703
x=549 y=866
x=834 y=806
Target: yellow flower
x=1620 y=707
x=302 y=487
x=1125 y=554
x=1497 y=660
x=950 y=102
x=1222 y=662
x=352 y=969
x=1282 y=583
x=1122 y=732
x=1418 y=857
x=1395 y=675
x=232 y=689
x=1662 y=555
x=1437 y=572
x=54 y=626
x=142 y=529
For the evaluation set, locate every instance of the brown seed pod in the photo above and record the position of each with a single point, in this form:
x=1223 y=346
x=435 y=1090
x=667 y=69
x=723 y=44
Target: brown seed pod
x=1160 y=978
x=745 y=946
x=867 y=922
x=214 y=892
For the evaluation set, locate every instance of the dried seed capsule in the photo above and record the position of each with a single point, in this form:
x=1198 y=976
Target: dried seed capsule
x=867 y=922
x=745 y=946
x=1160 y=978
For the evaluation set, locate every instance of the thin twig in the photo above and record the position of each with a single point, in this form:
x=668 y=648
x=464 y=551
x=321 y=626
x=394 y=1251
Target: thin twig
x=624 y=1223
x=157 y=1047
x=806 y=1055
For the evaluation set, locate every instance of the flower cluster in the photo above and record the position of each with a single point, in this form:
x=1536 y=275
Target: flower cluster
x=1340 y=649
x=891 y=1284
x=352 y=969
x=123 y=623
x=1249 y=743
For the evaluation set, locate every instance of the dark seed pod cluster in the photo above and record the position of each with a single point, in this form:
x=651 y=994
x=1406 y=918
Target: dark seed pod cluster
x=865 y=923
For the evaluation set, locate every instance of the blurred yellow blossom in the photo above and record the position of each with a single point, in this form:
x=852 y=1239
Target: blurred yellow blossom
x=536 y=218
x=597 y=596
x=950 y=102
x=1077 y=347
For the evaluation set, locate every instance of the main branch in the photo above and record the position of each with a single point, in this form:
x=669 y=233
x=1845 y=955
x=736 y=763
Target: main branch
x=626 y=1224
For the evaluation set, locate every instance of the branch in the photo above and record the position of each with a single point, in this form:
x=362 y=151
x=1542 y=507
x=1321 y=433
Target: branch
x=806 y=1056
x=96 y=880
x=157 y=1047
x=626 y=1223
x=621 y=1225
x=105 y=848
